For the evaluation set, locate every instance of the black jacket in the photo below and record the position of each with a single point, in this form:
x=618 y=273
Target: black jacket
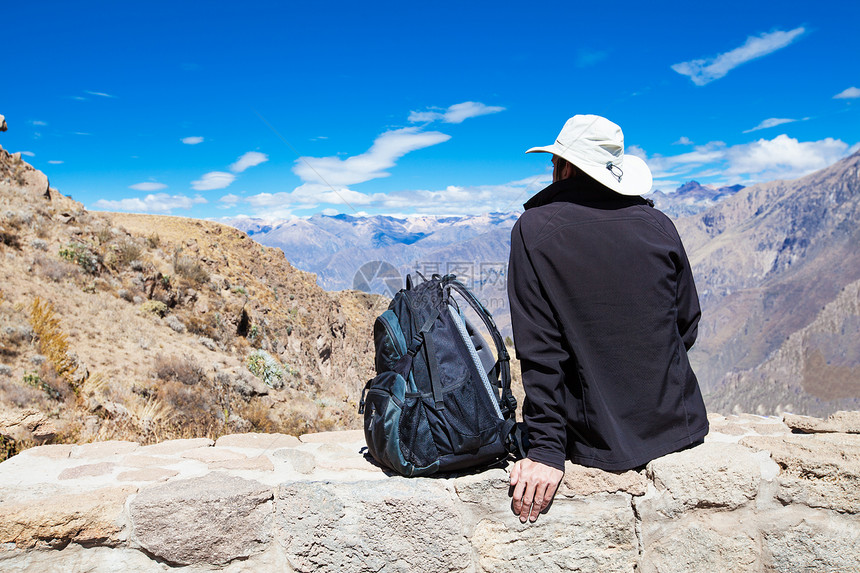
x=604 y=309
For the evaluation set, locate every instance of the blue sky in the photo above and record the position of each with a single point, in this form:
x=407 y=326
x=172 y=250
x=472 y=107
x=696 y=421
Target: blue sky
x=280 y=109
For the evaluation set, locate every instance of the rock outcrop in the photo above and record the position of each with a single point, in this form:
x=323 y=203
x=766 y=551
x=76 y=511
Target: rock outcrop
x=753 y=497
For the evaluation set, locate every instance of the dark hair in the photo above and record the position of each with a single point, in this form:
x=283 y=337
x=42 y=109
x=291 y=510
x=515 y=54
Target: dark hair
x=561 y=163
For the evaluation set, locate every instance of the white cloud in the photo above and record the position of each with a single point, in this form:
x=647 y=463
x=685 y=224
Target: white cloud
x=148 y=186
x=706 y=70
x=55 y=162
x=100 y=94
x=456 y=113
x=213 y=180
x=684 y=140
x=193 y=140
x=157 y=203
x=459 y=112
x=850 y=93
x=310 y=196
x=782 y=157
x=221 y=179
x=385 y=151
x=37 y=122
x=230 y=199
x=455 y=199
x=424 y=116
x=249 y=159
x=28 y=153
x=771 y=122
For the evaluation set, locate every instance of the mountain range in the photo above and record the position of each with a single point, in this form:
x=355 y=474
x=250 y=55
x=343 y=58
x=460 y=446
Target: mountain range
x=775 y=265
x=691 y=198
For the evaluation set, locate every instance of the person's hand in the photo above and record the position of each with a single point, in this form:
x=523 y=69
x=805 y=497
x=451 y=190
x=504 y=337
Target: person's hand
x=534 y=486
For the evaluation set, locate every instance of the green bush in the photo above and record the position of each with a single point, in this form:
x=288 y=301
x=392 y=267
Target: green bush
x=34 y=380
x=82 y=255
x=264 y=366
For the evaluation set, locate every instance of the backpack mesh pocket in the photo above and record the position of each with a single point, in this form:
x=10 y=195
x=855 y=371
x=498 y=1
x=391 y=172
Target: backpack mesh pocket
x=416 y=439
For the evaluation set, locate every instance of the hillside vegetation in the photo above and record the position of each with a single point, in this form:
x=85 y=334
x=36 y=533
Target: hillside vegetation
x=146 y=328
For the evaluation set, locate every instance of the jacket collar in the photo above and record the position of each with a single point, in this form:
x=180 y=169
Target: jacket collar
x=583 y=191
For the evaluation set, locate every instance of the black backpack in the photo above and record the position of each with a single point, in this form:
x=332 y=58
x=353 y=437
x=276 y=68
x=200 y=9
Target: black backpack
x=440 y=401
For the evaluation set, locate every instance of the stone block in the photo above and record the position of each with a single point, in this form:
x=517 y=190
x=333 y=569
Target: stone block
x=811 y=541
x=78 y=559
x=80 y=517
x=342 y=437
x=706 y=541
x=137 y=461
x=108 y=449
x=147 y=474
x=88 y=470
x=711 y=475
x=171 y=447
x=821 y=470
x=257 y=463
x=581 y=480
x=267 y=442
x=844 y=422
x=213 y=519
x=393 y=525
x=212 y=455
x=586 y=534
x=52 y=451
x=301 y=461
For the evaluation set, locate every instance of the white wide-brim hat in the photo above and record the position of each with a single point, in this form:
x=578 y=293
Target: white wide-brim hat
x=596 y=146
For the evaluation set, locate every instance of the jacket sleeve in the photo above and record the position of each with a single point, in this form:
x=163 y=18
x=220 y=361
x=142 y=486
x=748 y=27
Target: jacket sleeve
x=539 y=347
x=689 y=311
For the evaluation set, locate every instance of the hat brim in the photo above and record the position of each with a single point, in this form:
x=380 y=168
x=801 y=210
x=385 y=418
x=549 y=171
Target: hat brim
x=636 y=177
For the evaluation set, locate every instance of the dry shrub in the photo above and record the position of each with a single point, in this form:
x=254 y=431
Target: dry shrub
x=10 y=239
x=8 y=447
x=155 y=307
x=12 y=337
x=151 y=413
x=48 y=381
x=53 y=342
x=42 y=228
x=190 y=269
x=179 y=369
x=125 y=252
x=104 y=235
x=192 y=405
x=203 y=325
x=23 y=395
x=258 y=414
x=55 y=270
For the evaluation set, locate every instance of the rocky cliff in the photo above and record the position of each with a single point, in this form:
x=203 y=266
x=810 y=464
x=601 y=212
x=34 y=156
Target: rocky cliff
x=754 y=497
x=769 y=261
x=139 y=327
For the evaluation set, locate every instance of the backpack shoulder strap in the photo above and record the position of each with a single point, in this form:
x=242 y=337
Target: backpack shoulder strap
x=508 y=402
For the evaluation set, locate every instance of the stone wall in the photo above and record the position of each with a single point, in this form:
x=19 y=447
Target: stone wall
x=754 y=497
